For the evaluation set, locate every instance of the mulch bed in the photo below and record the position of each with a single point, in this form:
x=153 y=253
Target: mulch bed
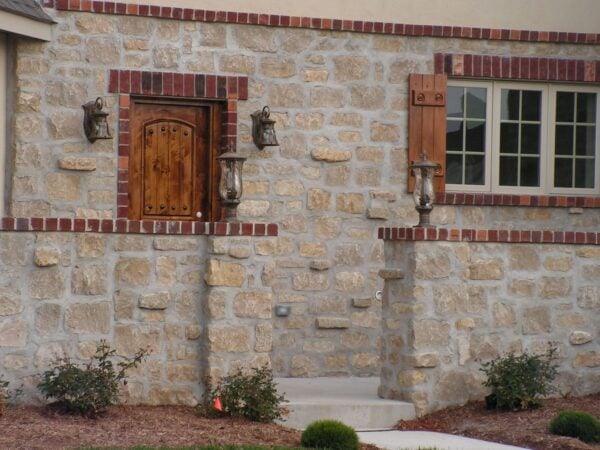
x=521 y=428
x=126 y=426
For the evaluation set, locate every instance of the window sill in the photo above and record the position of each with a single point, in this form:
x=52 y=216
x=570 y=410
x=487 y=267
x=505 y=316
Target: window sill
x=505 y=235
x=487 y=199
x=137 y=226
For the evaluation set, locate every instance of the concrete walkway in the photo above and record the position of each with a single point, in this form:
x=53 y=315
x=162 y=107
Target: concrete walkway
x=414 y=440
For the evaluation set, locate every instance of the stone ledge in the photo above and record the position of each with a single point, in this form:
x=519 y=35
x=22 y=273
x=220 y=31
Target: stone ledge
x=472 y=235
x=391 y=274
x=66 y=224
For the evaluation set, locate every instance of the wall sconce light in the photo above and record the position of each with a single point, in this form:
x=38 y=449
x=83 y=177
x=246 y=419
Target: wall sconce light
x=230 y=184
x=423 y=193
x=263 y=128
x=94 y=121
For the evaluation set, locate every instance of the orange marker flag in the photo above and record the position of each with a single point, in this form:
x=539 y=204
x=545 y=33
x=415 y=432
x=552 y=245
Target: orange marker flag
x=217 y=405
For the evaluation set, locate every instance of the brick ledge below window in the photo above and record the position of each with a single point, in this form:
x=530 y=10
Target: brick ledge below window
x=137 y=226
x=473 y=235
x=485 y=199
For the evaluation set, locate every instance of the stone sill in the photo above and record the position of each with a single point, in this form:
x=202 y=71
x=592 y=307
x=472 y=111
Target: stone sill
x=472 y=235
x=486 y=199
x=137 y=226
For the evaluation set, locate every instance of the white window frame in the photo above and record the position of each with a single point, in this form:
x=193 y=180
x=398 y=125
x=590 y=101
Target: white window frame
x=547 y=138
x=488 y=138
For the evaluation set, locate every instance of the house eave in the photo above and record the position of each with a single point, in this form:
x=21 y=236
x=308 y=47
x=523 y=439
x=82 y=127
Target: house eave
x=25 y=26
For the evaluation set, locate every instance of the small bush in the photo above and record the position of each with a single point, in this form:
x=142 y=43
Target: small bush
x=330 y=434
x=251 y=395
x=6 y=395
x=577 y=424
x=87 y=390
x=519 y=382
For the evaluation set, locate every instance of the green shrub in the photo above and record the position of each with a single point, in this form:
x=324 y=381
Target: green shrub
x=6 y=395
x=251 y=395
x=519 y=382
x=577 y=424
x=330 y=434
x=87 y=390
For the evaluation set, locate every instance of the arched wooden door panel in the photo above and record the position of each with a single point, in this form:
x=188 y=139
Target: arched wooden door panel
x=172 y=162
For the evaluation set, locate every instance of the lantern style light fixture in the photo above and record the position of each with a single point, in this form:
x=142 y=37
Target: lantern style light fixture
x=424 y=193
x=263 y=128
x=230 y=184
x=95 y=124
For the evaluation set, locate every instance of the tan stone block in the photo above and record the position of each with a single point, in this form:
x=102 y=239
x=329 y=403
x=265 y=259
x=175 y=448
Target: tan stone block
x=124 y=305
x=408 y=378
x=351 y=203
x=263 y=337
x=326 y=97
x=276 y=67
x=538 y=214
x=90 y=23
x=166 y=270
x=330 y=154
x=570 y=320
x=318 y=346
x=430 y=333
x=320 y=264
x=46 y=256
x=131 y=338
x=103 y=50
x=88 y=280
x=536 y=320
x=183 y=373
x=558 y=263
x=336 y=362
x=233 y=339
x=310 y=281
x=28 y=101
x=592 y=252
x=10 y=303
x=193 y=277
x=329 y=305
x=133 y=271
x=131 y=244
x=328 y=227
x=280 y=246
x=368 y=98
x=239 y=252
x=457 y=388
x=368 y=176
x=155 y=300
x=176 y=243
x=78 y=164
x=286 y=95
x=253 y=304
x=241 y=64
x=351 y=68
x=47 y=283
x=365 y=361
x=310 y=121
x=362 y=302
x=258 y=39
x=215 y=304
x=47 y=319
x=384 y=132
x=312 y=249
x=349 y=282
x=349 y=136
x=303 y=366
x=213 y=35
x=254 y=208
x=523 y=258
x=591 y=272
x=158 y=395
x=467 y=323
x=289 y=188
x=589 y=359
x=15 y=362
x=355 y=340
x=49 y=353
x=347 y=120
x=486 y=269
x=392 y=44
x=221 y=273
x=314 y=75
x=521 y=288
x=458 y=298
x=432 y=264
x=13 y=333
x=319 y=199
x=588 y=297
x=62 y=187
x=580 y=337
x=90 y=245
x=365 y=319
x=426 y=360
x=555 y=287
x=337 y=176
x=91 y=318
x=504 y=315
x=332 y=322
x=65 y=93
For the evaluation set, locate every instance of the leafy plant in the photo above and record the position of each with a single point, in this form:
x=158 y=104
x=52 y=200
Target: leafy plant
x=251 y=395
x=330 y=434
x=88 y=390
x=6 y=395
x=577 y=424
x=519 y=381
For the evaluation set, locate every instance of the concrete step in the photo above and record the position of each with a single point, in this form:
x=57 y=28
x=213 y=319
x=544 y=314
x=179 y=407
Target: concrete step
x=352 y=400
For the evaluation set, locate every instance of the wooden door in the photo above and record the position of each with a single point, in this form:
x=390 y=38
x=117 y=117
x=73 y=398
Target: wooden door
x=173 y=171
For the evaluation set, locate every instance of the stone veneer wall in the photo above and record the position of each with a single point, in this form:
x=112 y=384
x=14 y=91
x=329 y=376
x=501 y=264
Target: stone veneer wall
x=340 y=101
x=451 y=303
x=196 y=302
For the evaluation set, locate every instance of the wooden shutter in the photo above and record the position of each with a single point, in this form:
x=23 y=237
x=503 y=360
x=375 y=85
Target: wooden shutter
x=427 y=124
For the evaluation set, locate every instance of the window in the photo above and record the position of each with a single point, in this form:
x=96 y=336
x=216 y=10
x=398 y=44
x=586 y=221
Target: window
x=527 y=138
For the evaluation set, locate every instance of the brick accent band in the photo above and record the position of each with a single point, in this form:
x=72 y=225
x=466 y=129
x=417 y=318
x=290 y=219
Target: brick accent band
x=358 y=26
x=52 y=224
x=485 y=199
x=517 y=67
x=472 y=235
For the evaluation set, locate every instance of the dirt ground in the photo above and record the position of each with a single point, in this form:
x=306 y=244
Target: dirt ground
x=527 y=429
x=123 y=426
